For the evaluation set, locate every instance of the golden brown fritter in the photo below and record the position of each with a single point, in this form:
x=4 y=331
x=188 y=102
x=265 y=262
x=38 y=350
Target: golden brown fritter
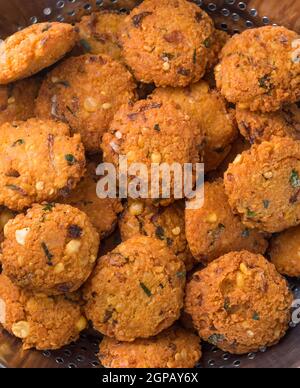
x=263 y=185
x=153 y=132
x=86 y=92
x=17 y=100
x=136 y=290
x=208 y=108
x=257 y=127
x=41 y=322
x=257 y=70
x=36 y=47
x=51 y=249
x=163 y=223
x=103 y=213
x=100 y=33
x=173 y=348
x=284 y=252
x=167 y=42
x=213 y=230
x=216 y=43
x=39 y=161
x=239 y=303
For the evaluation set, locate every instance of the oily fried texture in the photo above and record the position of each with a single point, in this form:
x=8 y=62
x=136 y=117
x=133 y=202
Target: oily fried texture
x=208 y=108
x=163 y=223
x=103 y=213
x=86 y=92
x=17 y=100
x=213 y=230
x=99 y=33
x=284 y=252
x=173 y=348
x=153 y=131
x=257 y=70
x=263 y=185
x=166 y=42
x=257 y=127
x=41 y=322
x=51 y=249
x=39 y=161
x=36 y=47
x=216 y=43
x=136 y=290
x=239 y=303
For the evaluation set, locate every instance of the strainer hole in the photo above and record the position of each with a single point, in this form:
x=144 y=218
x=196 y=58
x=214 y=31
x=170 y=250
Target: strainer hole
x=226 y=357
x=80 y=358
x=235 y=17
x=95 y=363
x=212 y=7
x=46 y=353
x=251 y=356
x=242 y=5
x=47 y=11
x=231 y=2
x=83 y=348
x=67 y=353
x=59 y=360
x=33 y=20
x=224 y=26
x=72 y=365
x=249 y=24
x=266 y=20
x=60 y=18
x=60 y=4
x=211 y=363
x=225 y=12
x=99 y=3
x=253 y=12
x=87 y=7
x=237 y=363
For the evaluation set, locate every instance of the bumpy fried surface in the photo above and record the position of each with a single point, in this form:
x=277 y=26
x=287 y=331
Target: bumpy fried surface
x=40 y=321
x=103 y=213
x=285 y=252
x=257 y=127
x=257 y=70
x=164 y=223
x=17 y=100
x=136 y=290
x=86 y=92
x=166 y=42
x=5 y=216
x=208 y=108
x=173 y=348
x=39 y=161
x=152 y=131
x=239 y=303
x=33 y=49
x=50 y=249
x=263 y=185
x=213 y=230
x=100 y=32
x=216 y=43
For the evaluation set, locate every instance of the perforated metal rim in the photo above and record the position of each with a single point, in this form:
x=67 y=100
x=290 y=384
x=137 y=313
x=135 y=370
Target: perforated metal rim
x=229 y=15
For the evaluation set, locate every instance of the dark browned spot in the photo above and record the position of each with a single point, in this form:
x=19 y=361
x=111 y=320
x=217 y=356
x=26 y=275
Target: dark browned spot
x=74 y=231
x=174 y=37
x=138 y=19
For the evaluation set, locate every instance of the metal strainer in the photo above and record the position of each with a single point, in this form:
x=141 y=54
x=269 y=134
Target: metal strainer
x=229 y=15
